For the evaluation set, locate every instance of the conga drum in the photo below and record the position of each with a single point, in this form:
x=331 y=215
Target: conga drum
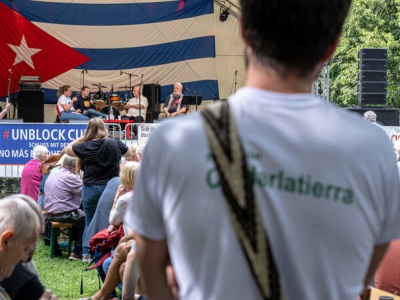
x=99 y=104
x=118 y=105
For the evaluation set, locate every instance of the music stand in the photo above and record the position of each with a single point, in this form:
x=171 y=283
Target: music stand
x=192 y=100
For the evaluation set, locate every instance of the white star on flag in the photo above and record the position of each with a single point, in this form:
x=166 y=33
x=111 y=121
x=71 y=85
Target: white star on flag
x=24 y=53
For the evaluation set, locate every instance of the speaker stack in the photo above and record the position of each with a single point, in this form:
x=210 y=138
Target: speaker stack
x=153 y=94
x=372 y=86
x=31 y=106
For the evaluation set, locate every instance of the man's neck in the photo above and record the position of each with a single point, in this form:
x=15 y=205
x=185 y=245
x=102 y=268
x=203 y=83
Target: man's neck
x=267 y=78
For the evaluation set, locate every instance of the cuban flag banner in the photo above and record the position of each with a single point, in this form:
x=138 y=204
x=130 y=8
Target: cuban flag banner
x=111 y=43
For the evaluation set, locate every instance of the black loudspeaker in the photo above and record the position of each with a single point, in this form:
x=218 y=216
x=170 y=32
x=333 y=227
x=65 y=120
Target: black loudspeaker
x=372 y=87
x=384 y=116
x=373 y=66
x=377 y=99
x=31 y=106
x=153 y=95
x=379 y=76
x=373 y=53
x=151 y=116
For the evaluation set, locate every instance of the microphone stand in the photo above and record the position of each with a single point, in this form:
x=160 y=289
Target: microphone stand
x=126 y=96
x=140 y=96
x=235 y=81
x=14 y=102
x=8 y=90
x=108 y=105
x=130 y=78
x=196 y=94
x=83 y=76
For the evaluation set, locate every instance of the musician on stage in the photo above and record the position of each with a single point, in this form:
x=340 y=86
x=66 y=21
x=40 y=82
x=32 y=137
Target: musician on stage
x=132 y=107
x=84 y=105
x=173 y=105
x=4 y=112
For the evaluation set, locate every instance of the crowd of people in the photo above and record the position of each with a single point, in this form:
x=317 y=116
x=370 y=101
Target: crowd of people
x=234 y=204
x=65 y=192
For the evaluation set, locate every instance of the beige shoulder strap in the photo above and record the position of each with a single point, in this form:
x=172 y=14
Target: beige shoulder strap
x=230 y=159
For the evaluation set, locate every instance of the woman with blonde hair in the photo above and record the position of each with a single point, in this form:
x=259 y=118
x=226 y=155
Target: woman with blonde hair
x=100 y=157
x=113 y=265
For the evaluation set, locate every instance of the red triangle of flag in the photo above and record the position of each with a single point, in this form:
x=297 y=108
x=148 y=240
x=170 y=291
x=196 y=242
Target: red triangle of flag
x=29 y=51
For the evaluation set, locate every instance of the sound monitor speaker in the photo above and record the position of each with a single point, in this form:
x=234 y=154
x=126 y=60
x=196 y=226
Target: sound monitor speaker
x=373 y=53
x=153 y=95
x=372 y=87
x=151 y=116
x=378 y=76
x=31 y=106
x=384 y=116
x=375 y=99
x=373 y=65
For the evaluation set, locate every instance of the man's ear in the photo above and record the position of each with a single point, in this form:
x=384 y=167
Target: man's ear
x=244 y=36
x=5 y=237
x=331 y=50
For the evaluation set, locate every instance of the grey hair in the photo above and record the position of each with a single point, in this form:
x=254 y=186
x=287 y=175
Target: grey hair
x=179 y=84
x=39 y=151
x=21 y=214
x=69 y=162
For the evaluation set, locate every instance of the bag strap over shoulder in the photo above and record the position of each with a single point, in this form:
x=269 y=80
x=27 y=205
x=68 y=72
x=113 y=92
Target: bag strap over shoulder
x=103 y=146
x=230 y=159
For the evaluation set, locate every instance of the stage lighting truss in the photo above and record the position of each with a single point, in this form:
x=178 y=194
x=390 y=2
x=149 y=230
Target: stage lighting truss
x=227 y=7
x=224 y=14
x=321 y=85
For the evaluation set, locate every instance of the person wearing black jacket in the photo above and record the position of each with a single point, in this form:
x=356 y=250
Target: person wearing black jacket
x=85 y=105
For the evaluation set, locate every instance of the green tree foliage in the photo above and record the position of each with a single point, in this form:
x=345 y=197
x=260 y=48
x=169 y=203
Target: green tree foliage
x=370 y=24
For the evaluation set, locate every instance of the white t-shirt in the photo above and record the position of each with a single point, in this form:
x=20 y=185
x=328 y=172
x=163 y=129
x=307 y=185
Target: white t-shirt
x=117 y=214
x=64 y=100
x=325 y=181
x=135 y=111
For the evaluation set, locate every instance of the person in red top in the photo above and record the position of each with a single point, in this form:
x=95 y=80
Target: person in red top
x=31 y=177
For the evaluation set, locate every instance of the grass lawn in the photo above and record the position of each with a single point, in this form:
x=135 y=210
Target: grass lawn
x=63 y=276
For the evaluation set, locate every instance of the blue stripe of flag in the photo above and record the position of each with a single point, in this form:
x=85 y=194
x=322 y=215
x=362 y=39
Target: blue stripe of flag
x=147 y=56
x=110 y=14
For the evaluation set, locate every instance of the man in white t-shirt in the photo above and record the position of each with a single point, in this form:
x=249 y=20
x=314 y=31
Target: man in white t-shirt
x=137 y=106
x=329 y=203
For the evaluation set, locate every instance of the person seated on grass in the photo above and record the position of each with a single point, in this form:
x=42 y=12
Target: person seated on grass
x=21 y=223
x=122 y=197
x=63 y=198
